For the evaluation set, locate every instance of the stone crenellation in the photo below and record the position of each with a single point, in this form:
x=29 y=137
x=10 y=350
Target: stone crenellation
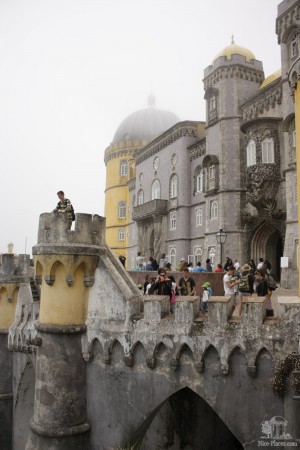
x=89 y=230
x=14 y=268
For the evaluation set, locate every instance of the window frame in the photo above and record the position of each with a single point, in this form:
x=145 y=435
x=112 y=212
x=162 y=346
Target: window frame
x=173 y=221
x=122 y=210
x=155 y=190
x=140 y=197
x=267 y=151
x=173 y=186
x=212 y=172
x=121 y=233
x=251 y=153
x=124 y=168
x=212 y=103
x=199 y=217
x=200 y=181
x=214 y=210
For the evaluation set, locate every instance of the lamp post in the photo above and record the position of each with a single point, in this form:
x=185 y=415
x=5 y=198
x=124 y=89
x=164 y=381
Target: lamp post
x=221 y=239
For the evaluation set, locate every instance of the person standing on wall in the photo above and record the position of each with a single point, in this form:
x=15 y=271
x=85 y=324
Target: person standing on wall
x=65 y=206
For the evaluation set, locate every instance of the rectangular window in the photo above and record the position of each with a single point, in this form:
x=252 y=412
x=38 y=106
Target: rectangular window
x=212 y=104
x=121 y=234
x=123 y=168
x=294 y=138
x=267 y=149
x=251 y=154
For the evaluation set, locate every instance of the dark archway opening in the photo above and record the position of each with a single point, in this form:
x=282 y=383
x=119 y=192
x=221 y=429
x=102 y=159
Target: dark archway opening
x=185 y=421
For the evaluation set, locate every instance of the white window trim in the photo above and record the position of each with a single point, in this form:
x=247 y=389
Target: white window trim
x=212 y=172
x=173 y=220
x=122 y=210
x=199 y=181
x=124 y=168
x=140 y=197
x=172 y=256
x=173 y=186
x=155 y=190
x=121 y=234
x=199 y=217
x=251 y=153
x=214 y=210
x=267 y=151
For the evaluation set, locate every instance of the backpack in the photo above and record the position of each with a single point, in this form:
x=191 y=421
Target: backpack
x=73 y=213
x=244 y=284
x=271 y=282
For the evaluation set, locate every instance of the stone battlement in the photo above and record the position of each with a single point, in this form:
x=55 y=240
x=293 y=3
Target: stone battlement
x=89 y=231
x=14 y=268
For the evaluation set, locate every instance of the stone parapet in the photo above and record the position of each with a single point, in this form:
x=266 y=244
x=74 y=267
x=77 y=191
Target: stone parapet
x=186 y=308
x=156 y=307
x=14 y=269
x=254 y=312
x=54 y=236
x=220 y=309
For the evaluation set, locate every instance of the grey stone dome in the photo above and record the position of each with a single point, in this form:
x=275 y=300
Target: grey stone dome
x=145 y=124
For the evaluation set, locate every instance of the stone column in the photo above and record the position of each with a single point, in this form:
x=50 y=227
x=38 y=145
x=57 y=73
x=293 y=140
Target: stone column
x=65 y=263
x=10 y=278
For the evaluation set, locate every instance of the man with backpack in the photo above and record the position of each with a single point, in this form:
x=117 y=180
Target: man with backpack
x=245 y=285
x=65 y=206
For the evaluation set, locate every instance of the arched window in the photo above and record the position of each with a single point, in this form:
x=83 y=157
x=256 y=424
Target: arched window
x=122 y=210
x=172 y=257
x=212 y=172
x=198 y=254
x=173 y=186
x=199 y=179
x=199 y=217
x=251 y=153
x=140 y=197
x=123 y=168
x=173 y=221
x=212 y=254
x=155 y=189
x=267 y=151
x=214 y=209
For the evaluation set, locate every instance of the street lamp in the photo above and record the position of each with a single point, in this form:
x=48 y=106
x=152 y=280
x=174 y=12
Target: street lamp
x=221 y=239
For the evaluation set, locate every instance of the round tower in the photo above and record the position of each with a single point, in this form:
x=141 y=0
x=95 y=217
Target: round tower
x=65 y=262
x=233 y=76
x=137 y=130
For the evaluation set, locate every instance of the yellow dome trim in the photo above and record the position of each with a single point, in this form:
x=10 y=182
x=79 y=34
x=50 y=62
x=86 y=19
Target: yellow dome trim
x=270 y=78
x=234 y=49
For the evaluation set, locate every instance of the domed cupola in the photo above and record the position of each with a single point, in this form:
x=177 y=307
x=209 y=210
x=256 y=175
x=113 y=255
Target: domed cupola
x=234 y=49
x=145 y=125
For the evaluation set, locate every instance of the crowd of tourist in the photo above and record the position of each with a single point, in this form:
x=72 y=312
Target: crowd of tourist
x=238 y=281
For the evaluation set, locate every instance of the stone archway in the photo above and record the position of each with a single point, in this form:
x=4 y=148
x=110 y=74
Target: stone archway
x=267 y=243
x=185 y=421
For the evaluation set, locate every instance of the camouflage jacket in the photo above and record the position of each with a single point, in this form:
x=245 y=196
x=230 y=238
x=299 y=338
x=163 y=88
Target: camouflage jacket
x=64 y=206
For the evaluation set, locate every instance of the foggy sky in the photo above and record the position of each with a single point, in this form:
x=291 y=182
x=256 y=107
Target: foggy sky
x=72 y=70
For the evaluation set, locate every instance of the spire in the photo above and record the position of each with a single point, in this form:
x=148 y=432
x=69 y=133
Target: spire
x=232 y=39
x=151 y=101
